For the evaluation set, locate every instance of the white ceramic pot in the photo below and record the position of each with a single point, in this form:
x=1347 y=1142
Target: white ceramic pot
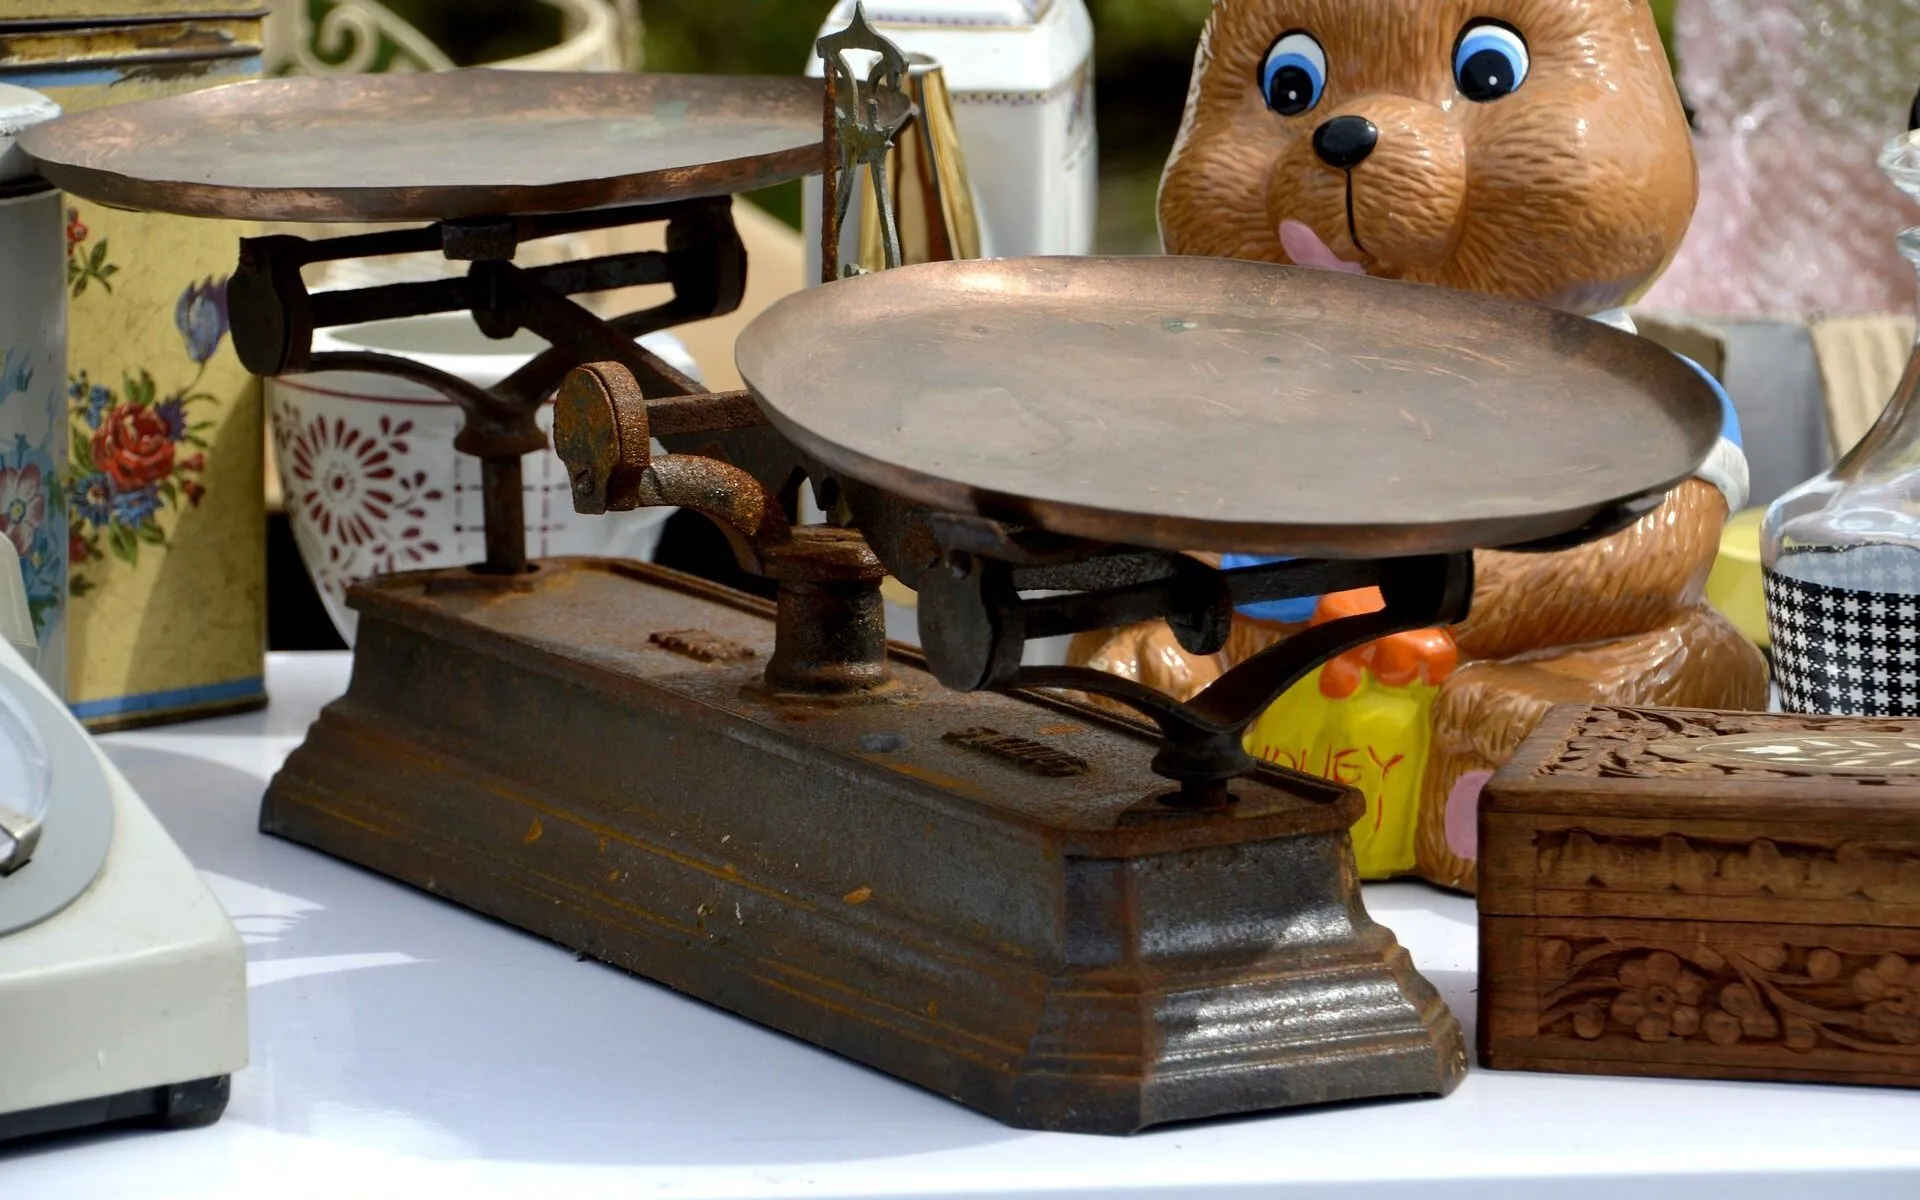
x=373 y=484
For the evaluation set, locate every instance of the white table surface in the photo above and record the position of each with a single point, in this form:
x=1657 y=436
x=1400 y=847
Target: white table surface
x=404 y=1047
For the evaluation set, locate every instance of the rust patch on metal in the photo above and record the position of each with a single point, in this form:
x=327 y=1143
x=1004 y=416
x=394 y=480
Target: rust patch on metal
x=1061 y=730
x=1024 y=753
x=701 y=646
x=859 y=895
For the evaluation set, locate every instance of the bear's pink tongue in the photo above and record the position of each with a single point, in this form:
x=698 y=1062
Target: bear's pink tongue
x=1306 y=249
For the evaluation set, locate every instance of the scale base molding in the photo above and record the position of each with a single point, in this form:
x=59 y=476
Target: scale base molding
x=981 y=894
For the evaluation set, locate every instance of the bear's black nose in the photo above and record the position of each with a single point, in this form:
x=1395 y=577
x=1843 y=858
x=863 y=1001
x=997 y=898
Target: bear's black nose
x=1345 y=142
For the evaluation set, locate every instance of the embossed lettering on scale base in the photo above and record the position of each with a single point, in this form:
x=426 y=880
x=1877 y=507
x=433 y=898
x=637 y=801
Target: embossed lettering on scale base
x=1704 y=894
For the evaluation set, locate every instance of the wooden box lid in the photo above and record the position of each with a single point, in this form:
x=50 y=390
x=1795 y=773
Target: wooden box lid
x=1706 y=816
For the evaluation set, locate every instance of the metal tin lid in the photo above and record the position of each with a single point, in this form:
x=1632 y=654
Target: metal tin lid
x=22 y=14
x=20 y=110
x=66 y=55
x=1001 y=14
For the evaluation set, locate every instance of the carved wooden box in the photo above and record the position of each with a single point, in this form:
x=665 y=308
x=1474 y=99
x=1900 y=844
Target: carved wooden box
x=1691 y=893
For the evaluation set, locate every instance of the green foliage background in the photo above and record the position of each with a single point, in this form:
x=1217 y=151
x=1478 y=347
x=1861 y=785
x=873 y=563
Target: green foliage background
x=1144 y=52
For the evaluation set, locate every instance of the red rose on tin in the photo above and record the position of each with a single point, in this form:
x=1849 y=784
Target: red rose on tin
x=134 y=447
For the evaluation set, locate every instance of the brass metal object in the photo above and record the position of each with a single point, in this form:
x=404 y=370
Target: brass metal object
x=1206 y=404
x=432 y=147
x=932 y=199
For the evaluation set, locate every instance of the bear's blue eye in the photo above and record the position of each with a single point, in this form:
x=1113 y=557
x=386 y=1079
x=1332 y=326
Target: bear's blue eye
x=1294 y=74
x=1490 y=61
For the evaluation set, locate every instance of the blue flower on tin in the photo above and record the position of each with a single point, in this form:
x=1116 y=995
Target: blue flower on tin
x=92 y=497
x=15 y=374
x=99 y=400
x=46 y=564
x=136 y=508
x=173 y=413
x=201 y=317
x=77 y=386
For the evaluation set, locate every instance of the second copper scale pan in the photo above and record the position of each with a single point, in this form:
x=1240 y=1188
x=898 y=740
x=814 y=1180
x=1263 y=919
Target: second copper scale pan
x=1206 y=404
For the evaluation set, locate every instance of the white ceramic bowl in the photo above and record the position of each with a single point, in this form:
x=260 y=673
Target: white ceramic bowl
x=373 y=484
x=20 y=110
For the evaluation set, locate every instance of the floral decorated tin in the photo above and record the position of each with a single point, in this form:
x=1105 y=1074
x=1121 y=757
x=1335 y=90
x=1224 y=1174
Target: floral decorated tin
x=164 y=445
x=33 y=362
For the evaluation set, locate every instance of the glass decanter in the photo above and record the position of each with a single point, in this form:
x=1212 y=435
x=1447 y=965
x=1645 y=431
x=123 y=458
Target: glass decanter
x=1842 y=551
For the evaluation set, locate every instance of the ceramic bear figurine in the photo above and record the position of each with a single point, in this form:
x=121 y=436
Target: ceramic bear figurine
x=1533 y=149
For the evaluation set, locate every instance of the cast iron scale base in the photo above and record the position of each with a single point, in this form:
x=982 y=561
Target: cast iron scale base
x=976 y=892
x=943 y=867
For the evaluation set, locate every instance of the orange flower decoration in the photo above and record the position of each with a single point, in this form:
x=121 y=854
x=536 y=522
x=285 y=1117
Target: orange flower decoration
x=1426 y=656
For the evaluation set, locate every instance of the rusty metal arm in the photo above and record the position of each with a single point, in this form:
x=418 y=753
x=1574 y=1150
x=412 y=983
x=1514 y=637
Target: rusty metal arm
x=975 y=624
x=603 y=432
x=830 y=628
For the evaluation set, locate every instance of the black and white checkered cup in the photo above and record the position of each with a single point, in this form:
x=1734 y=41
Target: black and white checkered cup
x=1850 y=646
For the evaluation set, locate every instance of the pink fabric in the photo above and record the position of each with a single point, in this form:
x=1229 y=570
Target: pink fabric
x=1794 y=100
x=1463 y=814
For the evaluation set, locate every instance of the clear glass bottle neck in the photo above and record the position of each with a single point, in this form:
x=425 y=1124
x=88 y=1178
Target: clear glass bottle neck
x=1894 y=440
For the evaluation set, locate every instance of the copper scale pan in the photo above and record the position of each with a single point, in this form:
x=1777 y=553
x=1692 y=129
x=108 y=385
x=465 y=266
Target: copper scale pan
x=1208 y=404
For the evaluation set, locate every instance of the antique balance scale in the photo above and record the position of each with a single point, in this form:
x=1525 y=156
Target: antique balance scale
x=937 y=862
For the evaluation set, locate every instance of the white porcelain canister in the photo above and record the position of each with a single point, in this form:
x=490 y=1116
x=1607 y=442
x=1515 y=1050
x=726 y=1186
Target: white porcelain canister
x=373 y=484
x=34 y=442
x=1021 y=77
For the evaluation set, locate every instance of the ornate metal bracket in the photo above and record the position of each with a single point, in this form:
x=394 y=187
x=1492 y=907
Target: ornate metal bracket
x=975 y=623
x=274 y=318
x=862 y=119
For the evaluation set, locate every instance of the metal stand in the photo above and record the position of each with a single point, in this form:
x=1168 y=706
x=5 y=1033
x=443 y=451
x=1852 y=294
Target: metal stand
x=769 y=807
x=921 y=863
x=979 y=893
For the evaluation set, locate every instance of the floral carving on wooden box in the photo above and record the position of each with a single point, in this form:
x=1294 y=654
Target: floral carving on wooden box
x=1630 y=743
x=1802 y=997
x=1781 y=868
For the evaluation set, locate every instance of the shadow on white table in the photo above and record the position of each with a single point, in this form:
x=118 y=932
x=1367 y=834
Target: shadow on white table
x=402 y=1046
